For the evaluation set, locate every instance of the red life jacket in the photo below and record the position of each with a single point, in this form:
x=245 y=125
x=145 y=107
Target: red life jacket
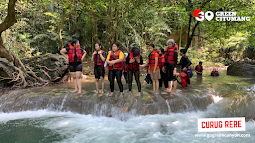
x=185 y=79
x=199 y=68
x=74 y=51
x=169 y=54
x=152 y=58
x=214 y=73
x=117 y=66
x=125 y=66
x=133 y=66
x=98 y=60
x=161 y=61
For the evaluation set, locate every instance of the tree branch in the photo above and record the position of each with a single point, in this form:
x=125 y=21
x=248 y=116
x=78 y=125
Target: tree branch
x=10 y=18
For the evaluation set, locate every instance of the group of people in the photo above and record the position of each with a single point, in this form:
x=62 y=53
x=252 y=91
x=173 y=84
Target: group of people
x=161 y=66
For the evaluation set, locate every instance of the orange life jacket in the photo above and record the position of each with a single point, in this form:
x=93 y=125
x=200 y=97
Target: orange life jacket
x=152 y=58
x=117 y=66
x=185 y=79
x=169 y=54
x=74 y=51
x=98 y=60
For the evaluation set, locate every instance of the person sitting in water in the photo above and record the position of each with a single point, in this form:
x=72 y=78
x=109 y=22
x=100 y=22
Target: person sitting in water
x=185 y=78
x=75 y=57
x=199 y=69
x=98 y=57
x=215 y=72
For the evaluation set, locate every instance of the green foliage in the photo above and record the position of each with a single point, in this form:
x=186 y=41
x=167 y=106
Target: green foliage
x=43 y=24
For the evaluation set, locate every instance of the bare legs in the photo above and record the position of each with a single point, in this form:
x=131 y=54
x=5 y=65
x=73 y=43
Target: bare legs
x=74 y=80
x=155 y=86
x=170 y=86
x=78 y=81
x=97 y=84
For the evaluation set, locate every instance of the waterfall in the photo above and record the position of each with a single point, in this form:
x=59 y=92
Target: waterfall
x=169 y=109
x=63 y=102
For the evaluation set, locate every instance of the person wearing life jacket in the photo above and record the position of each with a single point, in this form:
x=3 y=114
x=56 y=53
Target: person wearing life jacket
x=98 y=57
x=75 y=57
x=215 y=72
x=185 y=78
x=125 y=68
x=171 y=57
x=162 y=72
x=199 y=68
x=154 y=70
x=134 y=60
x=115 y=66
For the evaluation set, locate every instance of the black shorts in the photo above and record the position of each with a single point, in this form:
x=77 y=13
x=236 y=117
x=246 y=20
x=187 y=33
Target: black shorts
x=99 y=71
x=170 y=72
x=75 y=68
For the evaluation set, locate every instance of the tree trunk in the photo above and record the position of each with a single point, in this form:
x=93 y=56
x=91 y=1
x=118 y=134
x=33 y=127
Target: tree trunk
x=191 y=36
x=180 y=40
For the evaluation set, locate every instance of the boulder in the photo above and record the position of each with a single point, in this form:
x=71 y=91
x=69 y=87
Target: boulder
x=242 y=68
x=54 y=65
x=49 y=67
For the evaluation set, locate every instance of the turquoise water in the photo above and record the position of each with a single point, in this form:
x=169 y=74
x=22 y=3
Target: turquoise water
x=233 y=96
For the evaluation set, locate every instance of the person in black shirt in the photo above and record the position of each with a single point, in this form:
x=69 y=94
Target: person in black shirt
x=134 y=60
x=184 y=62
x=75 y=57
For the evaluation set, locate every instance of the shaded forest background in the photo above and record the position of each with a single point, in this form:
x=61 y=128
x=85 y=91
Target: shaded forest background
x=46 y=26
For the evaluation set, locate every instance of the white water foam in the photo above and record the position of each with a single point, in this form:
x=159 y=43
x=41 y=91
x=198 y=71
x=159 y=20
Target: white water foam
x=176 y=127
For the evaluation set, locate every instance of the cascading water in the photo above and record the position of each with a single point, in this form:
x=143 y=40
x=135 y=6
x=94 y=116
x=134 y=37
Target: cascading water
x=36 y=115
x=63 y=102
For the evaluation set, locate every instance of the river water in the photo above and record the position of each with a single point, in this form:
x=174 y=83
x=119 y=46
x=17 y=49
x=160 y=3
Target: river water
x=233 y=97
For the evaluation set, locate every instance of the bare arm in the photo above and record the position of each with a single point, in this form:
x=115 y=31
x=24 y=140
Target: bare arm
x=62 y=52
x=117 y=61
x=92 y=57
x=84 y=54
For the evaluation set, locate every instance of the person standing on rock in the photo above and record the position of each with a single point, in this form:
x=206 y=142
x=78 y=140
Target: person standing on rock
x=171 y=57
x=75 y=57
x=154 y=70
x=115 y=66
x=134 y=60
x=162 y=72
x=125 y=68
x=98 y=57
